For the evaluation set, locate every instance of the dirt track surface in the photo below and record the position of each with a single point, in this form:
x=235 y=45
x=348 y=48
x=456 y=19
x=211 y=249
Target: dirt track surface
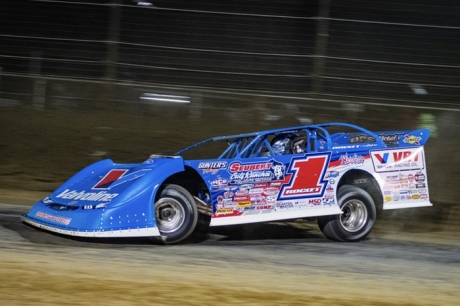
x=411 y=257
x=274 y=264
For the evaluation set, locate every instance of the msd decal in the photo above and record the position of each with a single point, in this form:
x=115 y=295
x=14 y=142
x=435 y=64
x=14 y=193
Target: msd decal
x=117 y=177
x=307 y=179
x=398 y=160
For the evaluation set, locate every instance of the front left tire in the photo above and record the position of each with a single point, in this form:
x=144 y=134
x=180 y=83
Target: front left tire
x=176 y=214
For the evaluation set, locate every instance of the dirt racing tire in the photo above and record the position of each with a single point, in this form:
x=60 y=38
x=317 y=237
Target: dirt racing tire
x=176 y=215
x=357 y=219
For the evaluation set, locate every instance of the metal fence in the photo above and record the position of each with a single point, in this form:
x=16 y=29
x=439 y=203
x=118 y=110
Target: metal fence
x=390 y=64
x=379 y=52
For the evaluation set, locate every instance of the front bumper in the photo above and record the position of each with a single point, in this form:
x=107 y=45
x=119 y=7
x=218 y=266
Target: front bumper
x=134 y=232
x=104 y=223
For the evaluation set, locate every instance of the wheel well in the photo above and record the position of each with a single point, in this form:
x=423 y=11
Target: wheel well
x=366 y=181
x=190 y=180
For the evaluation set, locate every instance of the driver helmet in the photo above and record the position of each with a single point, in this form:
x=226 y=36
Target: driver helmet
x=298 y=145
x=281 y=144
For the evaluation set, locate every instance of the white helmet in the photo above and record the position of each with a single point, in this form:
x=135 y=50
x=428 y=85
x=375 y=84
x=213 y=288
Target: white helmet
x=281 y=144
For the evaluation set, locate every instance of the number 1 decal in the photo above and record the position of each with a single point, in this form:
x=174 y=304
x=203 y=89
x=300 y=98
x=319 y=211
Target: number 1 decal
x=117 y=177
x=307 y=177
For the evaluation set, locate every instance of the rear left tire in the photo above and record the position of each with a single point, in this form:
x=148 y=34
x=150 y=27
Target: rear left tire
x=357 y=219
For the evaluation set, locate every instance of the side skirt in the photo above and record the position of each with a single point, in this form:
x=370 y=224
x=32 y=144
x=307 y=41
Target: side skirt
x=274 y=216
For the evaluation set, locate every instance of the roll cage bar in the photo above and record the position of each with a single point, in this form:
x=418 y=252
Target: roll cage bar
x=246 y=145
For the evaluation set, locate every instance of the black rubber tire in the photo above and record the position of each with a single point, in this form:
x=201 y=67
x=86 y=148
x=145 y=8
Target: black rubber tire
x=358 y=216
x=176 y=215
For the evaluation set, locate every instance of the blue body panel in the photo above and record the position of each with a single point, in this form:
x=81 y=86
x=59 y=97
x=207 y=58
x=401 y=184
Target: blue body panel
x=106 y=196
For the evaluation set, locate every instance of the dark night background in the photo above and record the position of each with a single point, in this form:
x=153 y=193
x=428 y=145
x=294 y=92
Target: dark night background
x=369 y=49
x=74 y=74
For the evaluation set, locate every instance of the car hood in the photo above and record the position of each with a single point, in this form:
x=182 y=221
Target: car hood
x=106 y=182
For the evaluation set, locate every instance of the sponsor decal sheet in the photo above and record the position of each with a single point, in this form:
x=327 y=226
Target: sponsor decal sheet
x=309 y=182
x=270 y=186
x=402 y=176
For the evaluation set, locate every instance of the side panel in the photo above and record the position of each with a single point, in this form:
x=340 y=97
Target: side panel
x=299 y=186
x=402 y=176
x=268 y=188
x=400 y=173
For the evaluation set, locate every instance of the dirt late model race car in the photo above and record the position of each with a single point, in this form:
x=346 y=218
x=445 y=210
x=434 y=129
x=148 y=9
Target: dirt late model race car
x=337 y=173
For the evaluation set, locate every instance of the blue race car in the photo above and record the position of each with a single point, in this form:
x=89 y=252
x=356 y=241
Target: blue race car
x=337 y=173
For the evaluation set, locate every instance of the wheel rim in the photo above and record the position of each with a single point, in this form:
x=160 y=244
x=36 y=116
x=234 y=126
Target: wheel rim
x=354 y=216
x=170 y=215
